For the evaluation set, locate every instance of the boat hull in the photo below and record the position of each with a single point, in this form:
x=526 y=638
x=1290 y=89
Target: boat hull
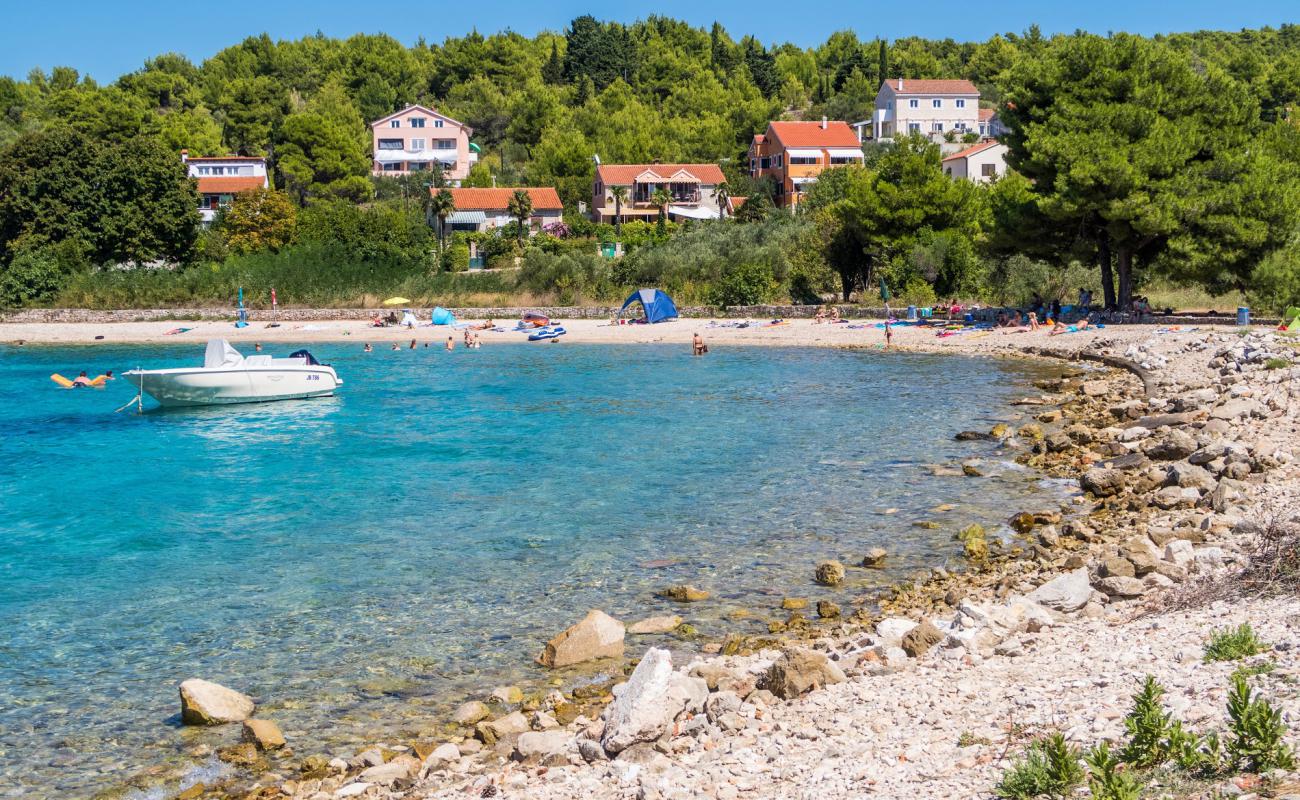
x=206 y=387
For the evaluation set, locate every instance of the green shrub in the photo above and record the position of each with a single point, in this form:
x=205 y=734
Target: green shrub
x=1230 y=644
x=743 y=284
x=1050 y=768
x=1277 y=363
x=1251 y=670
x=1147 y=726
x=33 y=276
x=1192 y=753
x=1257 y=730
x=456 y=259
x=1106 y=782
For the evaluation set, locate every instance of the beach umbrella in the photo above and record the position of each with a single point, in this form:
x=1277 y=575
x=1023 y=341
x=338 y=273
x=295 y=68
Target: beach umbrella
x=884 y=291
x=396 y=301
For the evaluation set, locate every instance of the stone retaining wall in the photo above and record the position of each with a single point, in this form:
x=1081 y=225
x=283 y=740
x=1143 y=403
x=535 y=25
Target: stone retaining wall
x=507 y=313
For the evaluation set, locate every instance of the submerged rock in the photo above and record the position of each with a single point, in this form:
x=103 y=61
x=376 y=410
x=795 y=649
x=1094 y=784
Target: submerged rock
x=654 y=625
x=264 y=733
x=876 y=556
x=827 y=610
x=597 y=635
x=829 y=573
x=207 y=703
x=684 y=593
x=794 y=603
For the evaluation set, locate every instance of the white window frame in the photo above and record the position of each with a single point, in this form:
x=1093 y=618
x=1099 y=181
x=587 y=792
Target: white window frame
x=416 y=145
x=396 y=123
x=936 y=127
x=913 y=103
x=961 y=103
x=437 y=123
x=417 y=122
x=445 y=144
x=913 y=127
x=936 y=103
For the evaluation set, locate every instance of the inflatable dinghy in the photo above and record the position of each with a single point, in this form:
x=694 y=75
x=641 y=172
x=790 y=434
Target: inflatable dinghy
x=543 y=334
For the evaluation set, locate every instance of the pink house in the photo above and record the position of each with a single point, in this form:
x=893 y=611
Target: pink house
x=416 y=137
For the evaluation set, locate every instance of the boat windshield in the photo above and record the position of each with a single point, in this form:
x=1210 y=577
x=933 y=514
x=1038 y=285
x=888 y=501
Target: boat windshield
x=311 y=360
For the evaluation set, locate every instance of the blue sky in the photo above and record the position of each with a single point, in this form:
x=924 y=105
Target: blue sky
x=106 y=39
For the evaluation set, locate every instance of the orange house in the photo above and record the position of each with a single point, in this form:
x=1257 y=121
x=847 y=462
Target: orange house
x=793 y=154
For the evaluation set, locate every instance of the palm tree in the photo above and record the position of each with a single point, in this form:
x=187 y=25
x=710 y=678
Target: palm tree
x=660 y=199
x=440 y=204
x=521 y=208
x=721 y=194
x=619 y=193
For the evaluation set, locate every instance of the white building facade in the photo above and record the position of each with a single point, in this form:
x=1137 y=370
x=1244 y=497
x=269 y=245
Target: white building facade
x=220 y=178
x=929 y=107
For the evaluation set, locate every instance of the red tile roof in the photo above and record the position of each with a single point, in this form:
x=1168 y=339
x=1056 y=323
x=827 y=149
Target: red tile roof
x=624 y=174
x=223 y=158
x=734 y=203
x=230 y=185
x=470 y=199
x=970 y=151
x=986 y=114
x=914 y=86
x=811 y=134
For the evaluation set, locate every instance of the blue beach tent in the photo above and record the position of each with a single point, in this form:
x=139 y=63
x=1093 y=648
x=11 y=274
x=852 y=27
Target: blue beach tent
x=442 y=316
x=658 y=306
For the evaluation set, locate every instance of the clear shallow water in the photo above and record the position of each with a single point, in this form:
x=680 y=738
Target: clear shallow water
x=357 y=562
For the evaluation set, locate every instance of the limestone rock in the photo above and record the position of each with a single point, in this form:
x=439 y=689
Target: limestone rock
x=1172 y=446
x=647 y=704
x=1102 y=482
x=512 y=723
x=1121 y=587
x=1067 y=592
x=1118 y=566
x=1022 y=522
x=827 y=610
x=891 y=630
x=543 y=746
x=875 y=557
x=794 y=603
x=442 y=754
x=684 y=593
x=654 y=625
x=1239 y=408
x=264 y=733
x=799 y=670
x=387 y=774
x=472 y=712
x=508 y=695
x=829 y=573
x=207 y=703
x=921 y=638
x=597 y=635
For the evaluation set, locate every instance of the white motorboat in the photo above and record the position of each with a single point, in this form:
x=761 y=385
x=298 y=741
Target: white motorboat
x=229 y=377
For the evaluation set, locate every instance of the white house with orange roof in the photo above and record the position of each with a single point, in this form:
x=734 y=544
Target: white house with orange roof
x=929 y=107
x=416 y=137
x=793 y=154
x=981 y=163
x=691 y=189
x=483 y=209
x=220 y=178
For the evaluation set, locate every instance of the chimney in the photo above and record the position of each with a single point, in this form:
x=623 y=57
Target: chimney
x=823 y=123
x=185 y=156
x=900 y=84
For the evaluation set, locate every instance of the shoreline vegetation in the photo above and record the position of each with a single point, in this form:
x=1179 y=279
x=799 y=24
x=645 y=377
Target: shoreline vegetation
x=1187 y=478
x=1106 y=140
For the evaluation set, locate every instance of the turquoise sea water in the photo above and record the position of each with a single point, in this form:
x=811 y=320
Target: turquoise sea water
x=357 y=562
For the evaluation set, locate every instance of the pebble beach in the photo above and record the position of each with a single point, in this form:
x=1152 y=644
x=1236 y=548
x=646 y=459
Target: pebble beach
x=1183 y=460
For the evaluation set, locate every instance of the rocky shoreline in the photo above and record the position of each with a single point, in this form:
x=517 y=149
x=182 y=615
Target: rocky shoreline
x=932 y=695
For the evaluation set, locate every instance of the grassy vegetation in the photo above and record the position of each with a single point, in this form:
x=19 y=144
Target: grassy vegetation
x=1231 y=644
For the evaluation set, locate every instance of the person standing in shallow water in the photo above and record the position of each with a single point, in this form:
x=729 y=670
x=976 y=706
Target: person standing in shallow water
x=698 y=347
x=889 y=334
x=451 y=343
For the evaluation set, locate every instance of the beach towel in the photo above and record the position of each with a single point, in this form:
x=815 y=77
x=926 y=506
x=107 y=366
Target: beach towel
x=175 y=331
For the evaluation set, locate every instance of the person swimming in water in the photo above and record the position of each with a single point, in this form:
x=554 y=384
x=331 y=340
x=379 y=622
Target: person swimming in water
x=368 y=348
x=81 y=380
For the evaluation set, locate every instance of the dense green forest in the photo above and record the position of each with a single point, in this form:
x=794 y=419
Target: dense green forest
x=1174 y=157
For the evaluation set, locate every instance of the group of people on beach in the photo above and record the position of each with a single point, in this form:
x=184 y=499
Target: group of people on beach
x=471 y=343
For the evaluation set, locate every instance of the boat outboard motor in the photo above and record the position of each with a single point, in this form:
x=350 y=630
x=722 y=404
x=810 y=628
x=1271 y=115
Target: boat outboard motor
x=311 y=360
